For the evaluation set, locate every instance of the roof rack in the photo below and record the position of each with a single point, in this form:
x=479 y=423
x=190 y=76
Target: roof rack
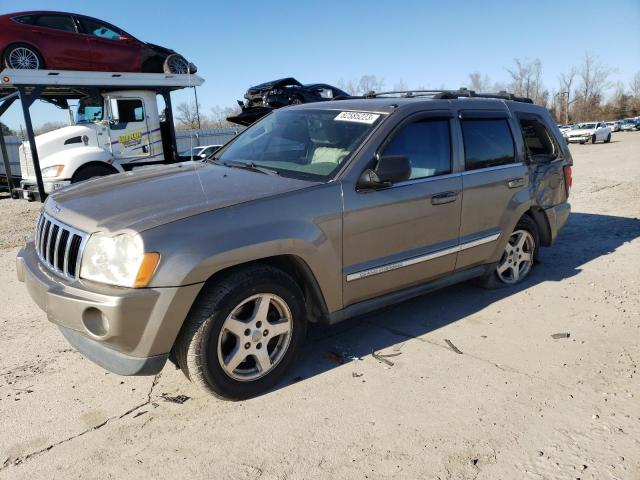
x=444 y=94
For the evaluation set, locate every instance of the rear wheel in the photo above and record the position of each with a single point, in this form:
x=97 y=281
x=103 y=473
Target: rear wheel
x=22 y=57
x=608 y=139
x=91 y=171
x=243 y=333
x=520 y=253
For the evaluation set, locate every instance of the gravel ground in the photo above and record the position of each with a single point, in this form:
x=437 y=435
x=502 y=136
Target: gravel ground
x=516 y=404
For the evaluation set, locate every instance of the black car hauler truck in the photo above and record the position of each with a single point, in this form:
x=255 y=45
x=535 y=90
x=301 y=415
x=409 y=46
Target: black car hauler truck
x=118 y=125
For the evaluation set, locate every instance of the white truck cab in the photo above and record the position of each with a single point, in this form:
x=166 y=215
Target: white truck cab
x=117 y=123
x=113 y=132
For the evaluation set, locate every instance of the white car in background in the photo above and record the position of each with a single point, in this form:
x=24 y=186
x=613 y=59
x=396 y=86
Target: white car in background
x=630 y=124
x=564 y=129
x=201 y=152
x=589 y=132
x=614 y=126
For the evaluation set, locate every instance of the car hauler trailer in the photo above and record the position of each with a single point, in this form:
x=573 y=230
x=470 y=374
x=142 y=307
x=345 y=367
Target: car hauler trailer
x=118 y=125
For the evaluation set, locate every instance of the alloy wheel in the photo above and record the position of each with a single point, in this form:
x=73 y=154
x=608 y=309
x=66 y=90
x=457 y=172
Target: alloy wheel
x=255 y=337
x=178 y=65
x=23 y=58
x=517 y=259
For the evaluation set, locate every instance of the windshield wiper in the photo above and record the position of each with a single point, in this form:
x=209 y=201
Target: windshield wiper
x=250 y=166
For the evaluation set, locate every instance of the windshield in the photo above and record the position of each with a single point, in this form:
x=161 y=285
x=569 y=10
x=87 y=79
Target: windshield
x=302 y=143
x=90 y=109
x=586 y=126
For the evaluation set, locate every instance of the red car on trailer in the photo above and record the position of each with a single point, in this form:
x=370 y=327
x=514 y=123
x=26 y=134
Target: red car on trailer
x=68 y=41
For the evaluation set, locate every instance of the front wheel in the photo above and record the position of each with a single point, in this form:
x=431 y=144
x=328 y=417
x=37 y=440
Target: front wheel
x=593 y=138
x=91 y=171
x=176 y=64
x=518 y=257
x=608 y=139
x=243 y=333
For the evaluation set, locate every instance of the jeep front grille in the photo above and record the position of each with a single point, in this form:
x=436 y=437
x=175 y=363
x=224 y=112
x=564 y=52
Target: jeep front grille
x=59 y=246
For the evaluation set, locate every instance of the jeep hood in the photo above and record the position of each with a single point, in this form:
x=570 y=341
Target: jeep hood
x=153 y=196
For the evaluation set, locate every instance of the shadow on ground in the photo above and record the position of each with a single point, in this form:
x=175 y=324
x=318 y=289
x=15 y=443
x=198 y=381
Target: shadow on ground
x=585 y=238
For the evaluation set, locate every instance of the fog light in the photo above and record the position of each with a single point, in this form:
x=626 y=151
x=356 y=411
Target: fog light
x=95 y=322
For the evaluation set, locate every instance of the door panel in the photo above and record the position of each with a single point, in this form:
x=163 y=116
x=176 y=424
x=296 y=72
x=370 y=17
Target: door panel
x=63 y=49
x=110 y=52
x=386 y=231
x=490 y=206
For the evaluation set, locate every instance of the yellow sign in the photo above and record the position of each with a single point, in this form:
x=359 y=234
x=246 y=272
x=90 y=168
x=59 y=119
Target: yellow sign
x=130 y=139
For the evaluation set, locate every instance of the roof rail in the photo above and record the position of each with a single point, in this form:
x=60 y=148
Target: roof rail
x=443 y=94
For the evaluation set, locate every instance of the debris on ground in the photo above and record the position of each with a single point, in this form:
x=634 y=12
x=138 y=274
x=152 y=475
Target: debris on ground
x=556 y=336
x=357 y=374
x=179 y=399
x=452 y=346
x=384 y=357
x=334 y=357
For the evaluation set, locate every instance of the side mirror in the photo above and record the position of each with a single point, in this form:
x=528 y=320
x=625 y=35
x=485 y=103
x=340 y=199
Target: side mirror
x=390 y=169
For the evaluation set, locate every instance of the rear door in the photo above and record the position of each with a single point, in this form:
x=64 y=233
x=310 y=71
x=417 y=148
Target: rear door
x=112 y=50
x=406 y=234
x=495 y=184
x=57 y=38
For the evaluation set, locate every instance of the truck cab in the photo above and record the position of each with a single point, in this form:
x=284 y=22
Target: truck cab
x=113 y=132
x=120 y=121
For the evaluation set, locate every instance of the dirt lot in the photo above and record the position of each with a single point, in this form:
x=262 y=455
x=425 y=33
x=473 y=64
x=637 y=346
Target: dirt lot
x=515 y=404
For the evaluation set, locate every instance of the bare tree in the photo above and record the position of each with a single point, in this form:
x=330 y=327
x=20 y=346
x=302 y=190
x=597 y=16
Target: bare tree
x=634 y=87
x=219 y=116
x=186 y=116
x=400 y=86
x=594 y=80
x=566 y=90
x=526 y=80
x=4 y=130
x=479 y=82
x=365 y=84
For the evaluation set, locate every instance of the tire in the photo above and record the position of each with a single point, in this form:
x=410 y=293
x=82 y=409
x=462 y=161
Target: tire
x=608 y=139
x=593 y=138
x=176 y=64
x=91 y=171
x=222 y=355
x=495 y=279
x=25 y=55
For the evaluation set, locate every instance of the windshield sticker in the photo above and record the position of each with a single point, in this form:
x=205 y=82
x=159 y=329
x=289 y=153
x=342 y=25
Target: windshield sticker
x=359 y=117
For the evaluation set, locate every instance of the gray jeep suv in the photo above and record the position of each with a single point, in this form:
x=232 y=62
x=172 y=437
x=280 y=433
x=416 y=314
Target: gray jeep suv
x=316 y=213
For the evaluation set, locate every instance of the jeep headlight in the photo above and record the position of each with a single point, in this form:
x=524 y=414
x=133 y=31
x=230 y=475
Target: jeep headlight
x=53 y=171
x=118 y=260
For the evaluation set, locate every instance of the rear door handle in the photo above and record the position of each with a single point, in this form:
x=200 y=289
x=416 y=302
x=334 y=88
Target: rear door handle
x=444 y=197
x=516 y=182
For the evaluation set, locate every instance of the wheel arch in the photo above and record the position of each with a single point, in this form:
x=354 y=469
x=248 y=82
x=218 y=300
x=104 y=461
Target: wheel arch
x=295 y=266
x=95 y=163
x=539 y=216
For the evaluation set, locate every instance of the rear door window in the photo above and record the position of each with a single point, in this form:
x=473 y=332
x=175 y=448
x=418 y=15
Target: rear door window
x=427 y=145
x=487 y=143
x=537 y=138
x=57 y=22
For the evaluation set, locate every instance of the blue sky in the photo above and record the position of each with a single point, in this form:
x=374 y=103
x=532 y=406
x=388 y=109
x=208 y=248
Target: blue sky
x=427 y=43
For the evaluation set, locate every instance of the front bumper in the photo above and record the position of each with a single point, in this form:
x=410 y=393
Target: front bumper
x=127 y=331
x=29 y=188
x=579 y=139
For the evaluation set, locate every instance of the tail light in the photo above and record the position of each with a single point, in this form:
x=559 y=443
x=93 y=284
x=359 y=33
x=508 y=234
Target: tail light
x=568 y=178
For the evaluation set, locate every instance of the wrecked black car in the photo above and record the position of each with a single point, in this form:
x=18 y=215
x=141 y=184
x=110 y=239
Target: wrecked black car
x=261 y=99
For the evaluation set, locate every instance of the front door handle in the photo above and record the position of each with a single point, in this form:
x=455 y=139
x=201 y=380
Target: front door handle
x=444 y=197
x=516 y=182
